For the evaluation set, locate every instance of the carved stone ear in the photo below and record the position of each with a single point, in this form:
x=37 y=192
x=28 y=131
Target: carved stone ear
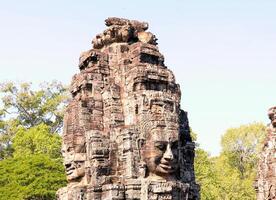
x=142 y=165
x=140 y=143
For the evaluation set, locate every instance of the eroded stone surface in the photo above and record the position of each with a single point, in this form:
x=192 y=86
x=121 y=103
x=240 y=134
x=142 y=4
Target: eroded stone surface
x=266 y=181
x=125 y=136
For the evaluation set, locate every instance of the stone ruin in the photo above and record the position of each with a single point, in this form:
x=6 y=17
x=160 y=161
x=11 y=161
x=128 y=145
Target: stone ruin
x=266 y=177
x=125 y=136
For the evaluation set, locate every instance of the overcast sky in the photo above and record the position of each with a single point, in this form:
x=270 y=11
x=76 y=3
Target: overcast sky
x=222 y=52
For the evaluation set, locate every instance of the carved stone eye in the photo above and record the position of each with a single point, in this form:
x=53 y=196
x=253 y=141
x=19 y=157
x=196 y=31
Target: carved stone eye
x=161 y=146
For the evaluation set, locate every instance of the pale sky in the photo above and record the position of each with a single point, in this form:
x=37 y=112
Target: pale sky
x=222 y=52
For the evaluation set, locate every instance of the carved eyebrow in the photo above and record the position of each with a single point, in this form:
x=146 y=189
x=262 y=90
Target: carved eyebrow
x=173 y=139
x=161 y=142
x=161 y=145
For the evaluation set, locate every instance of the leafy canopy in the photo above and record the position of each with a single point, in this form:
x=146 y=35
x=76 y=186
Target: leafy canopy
x=241 y=147
x=32 y=107
x=231 y=175
x=22 y=108
x=36 y=140
x=31 y=177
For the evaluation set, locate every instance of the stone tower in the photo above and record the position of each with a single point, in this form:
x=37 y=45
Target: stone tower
x=266 y=180
x=125 y=136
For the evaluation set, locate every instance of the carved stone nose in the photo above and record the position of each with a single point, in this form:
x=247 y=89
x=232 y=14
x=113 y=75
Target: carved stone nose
x=168 y=155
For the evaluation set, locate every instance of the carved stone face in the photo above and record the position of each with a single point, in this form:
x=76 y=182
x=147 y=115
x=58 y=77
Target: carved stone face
x=74 y=165
x=272 y=115
x=160 y=153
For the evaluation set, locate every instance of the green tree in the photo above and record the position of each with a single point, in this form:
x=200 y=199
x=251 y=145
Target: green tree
x=241 y=147
x=31 y=177
x=205 y=172
x=231 y=175
x=237 y=163
x=206 y=175
x=23 y=107
x=32 y=107
x=7 y=131
x=30 y=120
x=36 y=140
x=230 y=184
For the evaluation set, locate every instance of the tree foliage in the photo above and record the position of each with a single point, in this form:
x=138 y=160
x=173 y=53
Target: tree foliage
x=21 y=107
x=206 y=175
x=231 y=175
x=33 y=107
x=36 y=140
x=230 y=184
x=30 y=159
x=35 y=177
x=241 y=147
